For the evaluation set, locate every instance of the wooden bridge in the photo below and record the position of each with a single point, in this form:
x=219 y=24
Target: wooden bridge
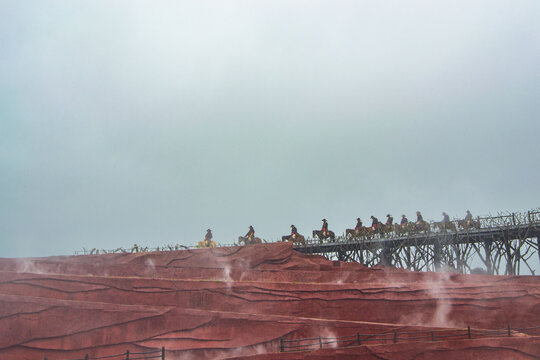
x=504 y=244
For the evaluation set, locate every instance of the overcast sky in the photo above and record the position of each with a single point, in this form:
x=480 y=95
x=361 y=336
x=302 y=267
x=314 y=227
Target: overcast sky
x=148 y=122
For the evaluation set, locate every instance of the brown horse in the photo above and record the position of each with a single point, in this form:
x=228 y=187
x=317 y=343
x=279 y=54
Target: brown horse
x=422 y=226
x=468 y=224
x=296 y=239
x=322 y=236
x=246 y=241
x=443 y=226
x=355 y=233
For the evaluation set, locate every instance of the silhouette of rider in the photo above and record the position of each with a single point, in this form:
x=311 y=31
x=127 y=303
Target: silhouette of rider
x=389 y=220
x=374 y=221
x=294 y=231
x=446 y=218
x=250 y=234
x=468 y=218
x=404 y=220
x=358 y=224
x=419 y=218
x=324 y=227
x=208 y=237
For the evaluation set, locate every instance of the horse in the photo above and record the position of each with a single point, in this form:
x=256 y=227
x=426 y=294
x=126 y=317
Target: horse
x=403 y=229
x=355 y=233
x=205 y=244
x=468 y=224
x=296 y=239
x=443 y=226
x=422 y=226
x=246 y=241
x=321 y=236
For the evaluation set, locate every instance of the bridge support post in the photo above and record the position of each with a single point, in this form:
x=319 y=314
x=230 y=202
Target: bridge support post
x=487 y=248
x=437 y=252
x=386 y=255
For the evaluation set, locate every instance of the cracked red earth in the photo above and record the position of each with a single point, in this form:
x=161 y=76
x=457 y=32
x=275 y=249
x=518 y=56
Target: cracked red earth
x=239 y=302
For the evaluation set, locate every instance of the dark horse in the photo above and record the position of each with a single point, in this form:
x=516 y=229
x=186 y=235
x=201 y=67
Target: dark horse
x=245 y=240
x=443 y=226
x=321 y=236
x=297 y=239
x=468 y=224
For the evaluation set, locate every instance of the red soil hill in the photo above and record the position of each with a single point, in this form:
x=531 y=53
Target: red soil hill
x=240 y=301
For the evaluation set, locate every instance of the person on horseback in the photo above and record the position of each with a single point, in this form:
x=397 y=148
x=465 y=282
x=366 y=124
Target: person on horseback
x=374 y=222
x=358 y=224
x=324 y=227
x=446 y=218
x=419 y=218
x=468 y=219
x=208 y=237
x=250 y=234
x=404 y=221
x=389 y=220
x=294 y=231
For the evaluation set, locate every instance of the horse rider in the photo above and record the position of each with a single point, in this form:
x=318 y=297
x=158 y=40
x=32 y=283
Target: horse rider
x=468 y=218
x=389 y=220
x=419 y=218
x=374 y=222
x=250 y=234
x=404 y=221
x=446 y=218
x=294 y=232
x=358 y=224
x=208 y=237
x=324 y=227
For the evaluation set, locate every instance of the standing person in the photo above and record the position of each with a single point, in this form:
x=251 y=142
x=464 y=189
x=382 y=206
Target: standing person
x=389 y=220
x=250 y=234
x=324 y=227
x=419 y=218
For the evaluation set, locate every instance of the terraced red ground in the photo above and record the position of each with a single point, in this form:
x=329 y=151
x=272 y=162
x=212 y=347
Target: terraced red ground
x=240 y=301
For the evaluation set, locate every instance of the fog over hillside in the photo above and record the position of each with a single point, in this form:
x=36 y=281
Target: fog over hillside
x=148 y=122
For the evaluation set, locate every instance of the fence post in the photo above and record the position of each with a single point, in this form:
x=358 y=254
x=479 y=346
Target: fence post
x=432 y=336
x=508 y=330
x=358 y=337
x=281 y=344
x=127 y=354
x=86 y=357
x=513 y=218
x=395 y=337
x=45 y=358
x=320 y=342
x=163 y=353
x=469 y=331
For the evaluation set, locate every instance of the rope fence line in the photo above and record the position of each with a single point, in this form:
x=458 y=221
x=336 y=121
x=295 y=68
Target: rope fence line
x=152 y=354
x=358 y=339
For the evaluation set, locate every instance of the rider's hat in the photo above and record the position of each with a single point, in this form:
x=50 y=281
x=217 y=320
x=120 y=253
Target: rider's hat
x=292 y=225
x=387 y=215
x=403 y=215
x=357 y=218
x=324 y=220
x=208 y=230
